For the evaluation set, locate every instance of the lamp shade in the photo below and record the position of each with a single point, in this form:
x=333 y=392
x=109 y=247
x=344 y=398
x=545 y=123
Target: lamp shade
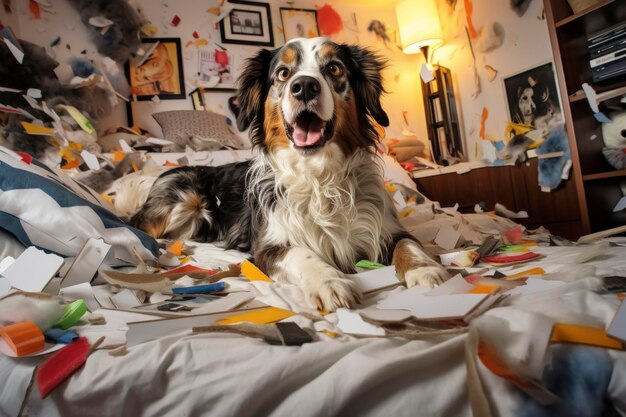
x=418 y=21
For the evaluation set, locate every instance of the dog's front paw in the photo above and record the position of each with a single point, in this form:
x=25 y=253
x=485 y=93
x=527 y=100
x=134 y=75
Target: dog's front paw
x=332 y=293
x=426 y=276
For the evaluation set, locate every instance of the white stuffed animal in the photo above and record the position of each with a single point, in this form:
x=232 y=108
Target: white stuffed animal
x=614 y=135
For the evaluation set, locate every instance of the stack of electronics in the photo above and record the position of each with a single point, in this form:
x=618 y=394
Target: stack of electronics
x=607 y=51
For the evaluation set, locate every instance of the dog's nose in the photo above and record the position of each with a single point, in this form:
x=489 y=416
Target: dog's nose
x=305 y=88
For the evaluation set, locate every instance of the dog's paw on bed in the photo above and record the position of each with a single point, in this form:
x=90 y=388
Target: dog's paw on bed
x=426 y=276
x=329 y=294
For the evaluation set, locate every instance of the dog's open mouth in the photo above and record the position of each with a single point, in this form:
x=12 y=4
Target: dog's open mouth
x=309 y=131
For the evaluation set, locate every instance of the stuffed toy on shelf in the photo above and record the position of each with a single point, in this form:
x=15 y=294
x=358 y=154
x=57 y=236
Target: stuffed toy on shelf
x=614 y=135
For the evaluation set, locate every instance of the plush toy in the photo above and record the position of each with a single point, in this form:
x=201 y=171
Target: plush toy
x=614 y=135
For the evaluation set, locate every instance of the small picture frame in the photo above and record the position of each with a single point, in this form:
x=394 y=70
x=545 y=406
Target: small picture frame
x=216 y=69
x=299 y=23
x=532 y=96
x=159 y=72
x=248 y=23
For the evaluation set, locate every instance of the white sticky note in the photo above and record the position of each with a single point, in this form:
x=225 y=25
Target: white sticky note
x=33 y=269
x=90 y=159
x=352 y=323
x=617 y=329
x=376 y=279
x=426 y=74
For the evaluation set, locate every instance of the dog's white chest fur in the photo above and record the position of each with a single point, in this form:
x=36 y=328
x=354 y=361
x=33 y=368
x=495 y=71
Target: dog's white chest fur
x=335 y=206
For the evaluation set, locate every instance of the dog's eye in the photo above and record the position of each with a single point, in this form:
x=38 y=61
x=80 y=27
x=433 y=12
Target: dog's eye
x=283 y=74
x=335 y=70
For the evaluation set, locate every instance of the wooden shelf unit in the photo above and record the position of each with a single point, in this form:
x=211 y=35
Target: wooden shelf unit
x=597 y=182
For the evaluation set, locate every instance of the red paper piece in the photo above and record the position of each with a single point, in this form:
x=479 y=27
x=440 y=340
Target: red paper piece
x=33 y=6
x=185 y=269
x=514 y=236
x=61 y=365
x=329 y=20
x=221 y=57
x=468 y=16
x=505 y=259
x=25 y=157
x=175 y=20
x=195 y=35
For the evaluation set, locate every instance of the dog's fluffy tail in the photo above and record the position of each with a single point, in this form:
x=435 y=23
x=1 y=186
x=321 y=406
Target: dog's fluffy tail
x=131 y=192
x=188 y=215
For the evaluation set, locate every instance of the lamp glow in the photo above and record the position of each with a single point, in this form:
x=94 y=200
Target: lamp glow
x=418 y=21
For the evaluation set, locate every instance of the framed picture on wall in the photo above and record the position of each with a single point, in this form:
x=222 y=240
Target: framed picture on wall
x=159 y=72
x=299 y=23
x=532 y=96
x=216 y=69
x=248 y=23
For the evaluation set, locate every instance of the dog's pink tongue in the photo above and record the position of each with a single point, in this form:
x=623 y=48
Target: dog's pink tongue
x=307 y=132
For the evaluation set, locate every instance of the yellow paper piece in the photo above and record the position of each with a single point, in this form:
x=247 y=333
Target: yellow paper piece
x=33 y=129
x=484 y=289
x=593 y=336
x=261 y=316
x=107 y=198
x=201 y=42
x=80 y=118
x=118 y=156
x=525 y=273
x=250 y=271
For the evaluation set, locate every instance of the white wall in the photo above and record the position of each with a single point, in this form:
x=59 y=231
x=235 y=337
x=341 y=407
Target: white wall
x=526 y=45
x=401 y=78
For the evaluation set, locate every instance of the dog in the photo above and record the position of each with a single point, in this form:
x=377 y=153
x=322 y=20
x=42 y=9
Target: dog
x=312 y=202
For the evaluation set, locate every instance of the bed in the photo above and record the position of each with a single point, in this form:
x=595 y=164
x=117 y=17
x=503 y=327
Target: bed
x=422 y=369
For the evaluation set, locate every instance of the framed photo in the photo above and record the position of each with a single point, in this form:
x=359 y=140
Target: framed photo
x=248 y=23
x=216 y=69
x=299 y=23
x=159 y=72
x=533 y=96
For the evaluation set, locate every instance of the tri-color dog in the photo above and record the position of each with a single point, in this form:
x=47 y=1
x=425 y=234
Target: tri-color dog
x=312 y=202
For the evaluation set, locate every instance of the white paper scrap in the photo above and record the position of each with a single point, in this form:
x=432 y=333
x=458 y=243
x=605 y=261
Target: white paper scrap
x=17 y=53
x=33 y=269
x=5 y=286
x=447 y=237
x=100 y=21
x=352 y=323
x=455 y=285
x=157 y=141
x=592 y=98
x=9 y=90
x=81 y=292
x=34 y=93
x=125 y=299
x=125 y=146
x=5 y=263
x=90 y=159
x=621 y=205
x=376 y=279
x=86 y=263
x=534 y=285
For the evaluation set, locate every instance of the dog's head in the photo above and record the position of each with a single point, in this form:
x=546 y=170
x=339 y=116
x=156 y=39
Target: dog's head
x=311 y=93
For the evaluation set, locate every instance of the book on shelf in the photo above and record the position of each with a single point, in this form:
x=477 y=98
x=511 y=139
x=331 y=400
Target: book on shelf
x=607 y=52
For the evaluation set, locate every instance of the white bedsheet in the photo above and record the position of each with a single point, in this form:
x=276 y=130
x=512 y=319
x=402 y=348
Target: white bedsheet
x=232 y=375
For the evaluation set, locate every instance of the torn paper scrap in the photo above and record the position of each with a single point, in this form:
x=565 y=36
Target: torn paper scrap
x=33 y=269
x=352 y=323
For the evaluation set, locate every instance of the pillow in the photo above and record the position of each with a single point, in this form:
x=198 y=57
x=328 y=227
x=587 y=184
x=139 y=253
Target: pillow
x=201 y=130
x=44 y=207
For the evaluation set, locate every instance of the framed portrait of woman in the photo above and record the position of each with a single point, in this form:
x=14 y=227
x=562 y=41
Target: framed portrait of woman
x=159 y=71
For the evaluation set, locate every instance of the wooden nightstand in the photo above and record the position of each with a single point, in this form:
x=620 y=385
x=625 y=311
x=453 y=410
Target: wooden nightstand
x=514 y=186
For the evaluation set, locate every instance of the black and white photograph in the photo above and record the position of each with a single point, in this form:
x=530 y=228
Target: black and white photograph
x=532 y=96
x=248 y=23
x=244 y=22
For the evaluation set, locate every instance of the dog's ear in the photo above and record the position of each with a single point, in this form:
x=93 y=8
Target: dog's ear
x=367 y=81
x=252 y=87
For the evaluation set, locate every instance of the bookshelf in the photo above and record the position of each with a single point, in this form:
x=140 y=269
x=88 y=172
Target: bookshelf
x=597 y=182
